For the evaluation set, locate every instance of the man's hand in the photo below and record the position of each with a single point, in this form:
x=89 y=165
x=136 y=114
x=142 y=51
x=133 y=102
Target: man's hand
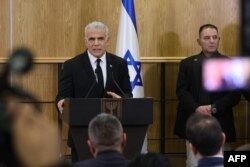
x=60 y=105
x=114 y=95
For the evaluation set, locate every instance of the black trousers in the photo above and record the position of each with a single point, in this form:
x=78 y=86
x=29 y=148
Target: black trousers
x=74 y=157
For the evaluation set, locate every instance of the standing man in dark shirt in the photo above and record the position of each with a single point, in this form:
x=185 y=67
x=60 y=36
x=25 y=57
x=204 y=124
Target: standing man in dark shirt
x=193 y=98
x=94 y=73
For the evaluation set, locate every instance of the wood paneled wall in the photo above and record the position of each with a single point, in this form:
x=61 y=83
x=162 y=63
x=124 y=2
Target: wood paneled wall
x=166 y=28
x=4 y=28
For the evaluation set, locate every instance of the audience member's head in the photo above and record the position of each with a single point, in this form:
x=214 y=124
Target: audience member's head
x=205 y=135
x=150 y=160
x=105 y=134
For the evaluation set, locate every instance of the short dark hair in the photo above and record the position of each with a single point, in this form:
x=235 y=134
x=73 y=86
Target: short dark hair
x=207 y=26
x=204 y=133
x=105 y=131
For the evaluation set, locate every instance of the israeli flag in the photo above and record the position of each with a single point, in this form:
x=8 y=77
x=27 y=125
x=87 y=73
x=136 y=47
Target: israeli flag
x=127 y=46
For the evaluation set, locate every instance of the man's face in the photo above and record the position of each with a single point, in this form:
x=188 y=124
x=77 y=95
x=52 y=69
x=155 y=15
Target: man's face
x=96 y=41
x=209 y=41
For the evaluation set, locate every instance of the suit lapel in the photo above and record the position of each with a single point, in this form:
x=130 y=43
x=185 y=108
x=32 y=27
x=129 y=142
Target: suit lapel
x=89 y=70
x=109 y=69
x=196 y=71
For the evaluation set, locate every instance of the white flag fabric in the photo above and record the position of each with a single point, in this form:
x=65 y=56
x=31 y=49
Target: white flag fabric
x=127 y=46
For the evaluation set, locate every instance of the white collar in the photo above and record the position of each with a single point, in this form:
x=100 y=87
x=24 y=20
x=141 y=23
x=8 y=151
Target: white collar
x=93 y=58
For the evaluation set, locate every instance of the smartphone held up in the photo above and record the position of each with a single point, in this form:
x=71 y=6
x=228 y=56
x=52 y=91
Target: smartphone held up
x=226 y=74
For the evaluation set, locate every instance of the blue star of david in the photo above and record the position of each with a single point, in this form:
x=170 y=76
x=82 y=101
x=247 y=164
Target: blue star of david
x=137 y=81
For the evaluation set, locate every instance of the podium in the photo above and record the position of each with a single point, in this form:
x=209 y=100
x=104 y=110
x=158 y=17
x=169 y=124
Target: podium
x=135 y=115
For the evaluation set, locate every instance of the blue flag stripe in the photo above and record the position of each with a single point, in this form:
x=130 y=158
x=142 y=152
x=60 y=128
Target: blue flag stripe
x=129 y=6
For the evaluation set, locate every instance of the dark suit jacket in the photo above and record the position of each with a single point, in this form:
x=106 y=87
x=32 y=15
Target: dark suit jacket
x=105 y=159
x=78 y=77
x=211 y=162
x=190 y=94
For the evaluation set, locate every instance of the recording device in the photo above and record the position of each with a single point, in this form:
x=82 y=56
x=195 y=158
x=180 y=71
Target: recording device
x=226 y=74
x=20 y=61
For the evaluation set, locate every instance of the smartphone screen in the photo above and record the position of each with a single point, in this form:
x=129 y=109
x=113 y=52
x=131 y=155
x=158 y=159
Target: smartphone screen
x=226 y=74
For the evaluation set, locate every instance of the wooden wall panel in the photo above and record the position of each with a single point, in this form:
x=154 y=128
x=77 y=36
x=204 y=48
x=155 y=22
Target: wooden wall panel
x=48 y=111
x=151 y=79
x=4 y=28
x=41 y=81
x=172 y=70
x=50 y=28
x=165 y=28
x=64 y=132
x=241 y=115
x=153 y=145
x=170 y=28
x=56 y=28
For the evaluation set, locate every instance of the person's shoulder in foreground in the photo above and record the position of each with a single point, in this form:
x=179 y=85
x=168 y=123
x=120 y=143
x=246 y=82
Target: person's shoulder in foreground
x=105 y=159
x=150 y=160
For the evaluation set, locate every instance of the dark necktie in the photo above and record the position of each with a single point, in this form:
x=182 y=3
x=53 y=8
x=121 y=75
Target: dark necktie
x=99 y=74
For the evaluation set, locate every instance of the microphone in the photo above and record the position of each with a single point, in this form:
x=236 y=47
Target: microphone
x=92 y=86
x=20 y=61
x=116 y=84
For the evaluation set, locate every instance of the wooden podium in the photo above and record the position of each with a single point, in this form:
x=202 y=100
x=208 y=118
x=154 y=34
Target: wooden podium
x=135 y=115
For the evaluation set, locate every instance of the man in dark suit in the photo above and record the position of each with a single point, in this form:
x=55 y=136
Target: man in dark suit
x=206 y=140
x=94 y=73
x=106 y=142
x=192 y=96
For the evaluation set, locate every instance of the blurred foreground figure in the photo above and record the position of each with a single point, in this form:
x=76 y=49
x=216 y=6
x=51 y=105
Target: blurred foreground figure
x=27 y=138
x=31 y=140
x=35 y=140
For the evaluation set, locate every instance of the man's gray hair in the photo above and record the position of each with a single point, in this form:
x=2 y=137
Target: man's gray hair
x=97 y=25
x=105 y=131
